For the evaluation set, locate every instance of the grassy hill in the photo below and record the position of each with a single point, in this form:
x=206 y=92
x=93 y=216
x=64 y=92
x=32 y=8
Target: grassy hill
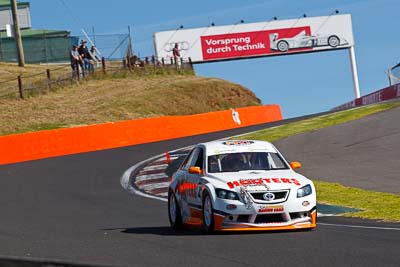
x=119 y=97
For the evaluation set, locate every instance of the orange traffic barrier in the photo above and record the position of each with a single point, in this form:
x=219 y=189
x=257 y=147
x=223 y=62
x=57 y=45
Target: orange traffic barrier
x=51 y=143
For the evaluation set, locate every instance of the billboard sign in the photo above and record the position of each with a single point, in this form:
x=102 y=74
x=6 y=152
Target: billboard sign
x=277 y=37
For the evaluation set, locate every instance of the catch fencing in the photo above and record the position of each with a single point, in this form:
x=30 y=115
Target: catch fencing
x=109 y=46
x=394 y=74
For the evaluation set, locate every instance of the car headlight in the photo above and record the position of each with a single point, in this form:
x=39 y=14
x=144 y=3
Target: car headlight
x=304 y=191
x=226 y=194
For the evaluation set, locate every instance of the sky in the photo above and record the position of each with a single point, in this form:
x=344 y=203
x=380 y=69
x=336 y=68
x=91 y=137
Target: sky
x=301 y=84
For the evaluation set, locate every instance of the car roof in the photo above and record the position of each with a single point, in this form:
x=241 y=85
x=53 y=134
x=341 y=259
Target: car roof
x=234 y=146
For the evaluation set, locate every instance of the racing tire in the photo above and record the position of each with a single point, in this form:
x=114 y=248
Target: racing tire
x=333 y=41
x=174 y=213
x=282 y=46
x=208 y=214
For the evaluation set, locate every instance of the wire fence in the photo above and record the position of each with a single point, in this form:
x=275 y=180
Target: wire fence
x=24 y=86
x=109 y=46
x=394 y=74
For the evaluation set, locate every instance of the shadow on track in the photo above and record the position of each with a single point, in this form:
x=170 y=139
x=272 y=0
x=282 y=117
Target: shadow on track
x=168 y=231
x=158 y=230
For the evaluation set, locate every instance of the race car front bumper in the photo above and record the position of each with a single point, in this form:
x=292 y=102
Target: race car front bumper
x=263 y=222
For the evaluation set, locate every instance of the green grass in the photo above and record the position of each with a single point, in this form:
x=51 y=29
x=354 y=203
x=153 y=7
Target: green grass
x=373 y=205
x=280 y=132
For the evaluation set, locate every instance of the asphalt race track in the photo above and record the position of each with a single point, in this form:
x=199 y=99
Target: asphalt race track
x=364 y=153
x=73 y=208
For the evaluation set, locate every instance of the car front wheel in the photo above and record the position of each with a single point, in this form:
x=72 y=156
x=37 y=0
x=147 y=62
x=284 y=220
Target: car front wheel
x=283 y=46
x=208 y=214
x=174 y=214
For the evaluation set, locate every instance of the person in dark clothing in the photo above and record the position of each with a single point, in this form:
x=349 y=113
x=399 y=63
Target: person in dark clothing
x=84 y=53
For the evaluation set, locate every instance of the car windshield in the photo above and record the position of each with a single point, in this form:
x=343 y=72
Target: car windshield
x=235 y=162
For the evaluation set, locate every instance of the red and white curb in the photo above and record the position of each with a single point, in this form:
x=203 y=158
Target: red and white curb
x=126 y=182
x=150 y=180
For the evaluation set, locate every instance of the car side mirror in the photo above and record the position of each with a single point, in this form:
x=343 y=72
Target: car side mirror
x=195 y=170
x=295 y=165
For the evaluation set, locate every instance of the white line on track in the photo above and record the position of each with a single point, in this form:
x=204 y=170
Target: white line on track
x=360 y=226
x=324 y=215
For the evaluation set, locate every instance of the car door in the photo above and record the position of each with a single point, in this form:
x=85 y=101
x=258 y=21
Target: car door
x=194 y=185
x=183 y=186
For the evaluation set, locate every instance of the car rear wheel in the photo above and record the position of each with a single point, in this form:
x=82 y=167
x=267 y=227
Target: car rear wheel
x=208 y=214
x=283 y=46
x=174 y=214
x=333 y=41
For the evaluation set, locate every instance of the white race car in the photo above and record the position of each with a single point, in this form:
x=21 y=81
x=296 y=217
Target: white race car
x=240 y=185
x=303 y=40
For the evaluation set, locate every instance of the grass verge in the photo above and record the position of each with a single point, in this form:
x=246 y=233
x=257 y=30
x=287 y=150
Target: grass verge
x=373 y=205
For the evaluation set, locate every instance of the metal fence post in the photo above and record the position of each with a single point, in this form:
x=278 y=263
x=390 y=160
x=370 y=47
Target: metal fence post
x=20 y=87
x=103 y=65
x=190 y=63
x=48 y=78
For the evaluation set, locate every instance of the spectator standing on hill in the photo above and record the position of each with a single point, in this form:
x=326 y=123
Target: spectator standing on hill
x=177 y=56
x=76 y=61
x=93 y=57
x=84 y=53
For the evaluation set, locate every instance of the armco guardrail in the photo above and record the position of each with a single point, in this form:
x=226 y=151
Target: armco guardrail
x=50 y=143
x=385 y=94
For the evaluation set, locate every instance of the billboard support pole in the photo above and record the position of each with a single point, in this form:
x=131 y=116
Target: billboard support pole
x=354 y=72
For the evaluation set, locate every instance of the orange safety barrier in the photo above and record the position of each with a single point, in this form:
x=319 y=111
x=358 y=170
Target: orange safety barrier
x=50 y=143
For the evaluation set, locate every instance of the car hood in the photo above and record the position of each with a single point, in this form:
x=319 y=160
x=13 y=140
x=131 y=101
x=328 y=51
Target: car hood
x=259 y=180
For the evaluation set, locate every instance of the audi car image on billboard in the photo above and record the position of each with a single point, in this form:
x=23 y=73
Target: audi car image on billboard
x=276 y=37
x=303 y=39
